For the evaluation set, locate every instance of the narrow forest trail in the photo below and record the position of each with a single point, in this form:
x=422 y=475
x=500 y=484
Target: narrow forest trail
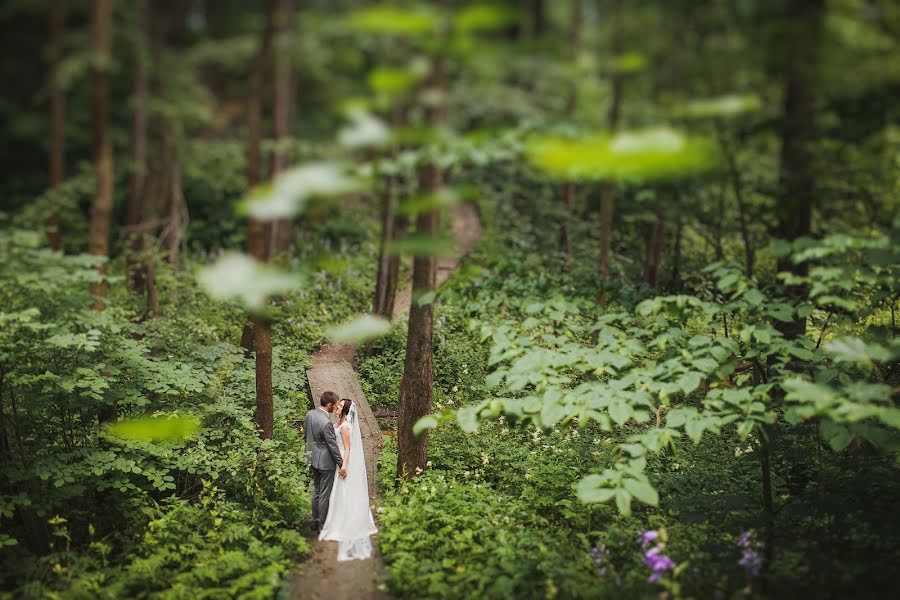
x=331 y=368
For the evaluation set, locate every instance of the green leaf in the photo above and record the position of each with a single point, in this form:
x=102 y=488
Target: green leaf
x=623 y=502
x=485 y=17
x=361 y=329
x=591 y=489
x=644 y=155
x=744 y=429
x=155 y=429
x=421 y=245
x=722 y=107
x=238 y=277
x=642 y=490
x=426 y=298
x=619 y=411
x=425 y=423
x=690 y=382
x=694 y=428
x=856 y=351
x=467 y=418
x=838 y=436
x=388 y=20
x=391 y=81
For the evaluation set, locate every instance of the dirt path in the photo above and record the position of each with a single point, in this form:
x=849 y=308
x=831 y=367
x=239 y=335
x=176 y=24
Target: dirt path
x=321 y=576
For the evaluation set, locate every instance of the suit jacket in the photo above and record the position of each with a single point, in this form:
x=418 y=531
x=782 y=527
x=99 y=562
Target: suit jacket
x=322 y=451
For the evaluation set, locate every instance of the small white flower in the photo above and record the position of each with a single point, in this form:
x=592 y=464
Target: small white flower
x=428 y=464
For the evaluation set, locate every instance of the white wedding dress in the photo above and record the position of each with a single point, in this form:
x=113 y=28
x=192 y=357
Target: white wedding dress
x=349 y=521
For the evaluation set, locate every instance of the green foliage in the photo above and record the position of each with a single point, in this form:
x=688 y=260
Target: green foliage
x=646 y=155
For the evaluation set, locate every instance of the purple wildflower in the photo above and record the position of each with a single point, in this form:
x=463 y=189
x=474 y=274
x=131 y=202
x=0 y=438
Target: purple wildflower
x=654 y=555
x=647 y=537
x=751 y=560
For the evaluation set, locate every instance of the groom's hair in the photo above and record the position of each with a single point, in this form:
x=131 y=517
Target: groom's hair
x=329 y=398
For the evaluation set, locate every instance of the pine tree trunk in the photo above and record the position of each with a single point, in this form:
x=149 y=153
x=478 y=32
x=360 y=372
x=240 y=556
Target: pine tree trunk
x=655 y=248
x=568 y=191
x=57 y=118
x=380 y=305
x=608 y=198
x=102 y=204
x=280 y=238
x=134 y=211
x=416 y=392
x=797 y=180
x=262 y=338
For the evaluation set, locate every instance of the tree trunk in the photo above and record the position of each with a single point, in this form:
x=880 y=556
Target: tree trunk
x=265 y=407
x=262 y=338
x=797 y=180
x=177 y=211
x=380 y=305
x=676 y=254
x=280 y=238
x=608 y=198
x=416 y=393
x=416 y=385
x=393 y=267
x=655 y=248
x=568 y=191
x=102 y=204
x=134 y=214
x=57 y=118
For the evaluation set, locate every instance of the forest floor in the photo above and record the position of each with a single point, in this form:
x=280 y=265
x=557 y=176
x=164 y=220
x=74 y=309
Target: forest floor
x=331 y=368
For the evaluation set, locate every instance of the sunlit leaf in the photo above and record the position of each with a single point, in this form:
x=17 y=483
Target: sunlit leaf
x=360 y=329
x=642 y=490
x=485 y=17
x=440 y=199
x=155 y=429
x=419 y=245
x=391 y=81
x=631 y=62
x=288 y=194
x=645 y=155
x=399 y=21
x=723 y=107
x=425 y=423
x=591 y=490
x=238 y=277
x=365 y=131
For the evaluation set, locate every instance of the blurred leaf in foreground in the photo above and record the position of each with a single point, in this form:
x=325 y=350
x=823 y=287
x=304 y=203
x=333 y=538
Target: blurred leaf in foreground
x=161 y=428
x=397 y=21
x=238 y=277
x=364 y=131
x=485 y=17
x=361 y=329
x=443 y=198
x=290 y=191
x=418 y=245
x=723 y=107
x=654 y=154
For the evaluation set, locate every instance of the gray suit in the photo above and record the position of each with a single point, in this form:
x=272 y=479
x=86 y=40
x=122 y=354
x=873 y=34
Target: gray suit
x=324 y=458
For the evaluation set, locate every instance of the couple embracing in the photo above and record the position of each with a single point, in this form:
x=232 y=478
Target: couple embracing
x=340 y=500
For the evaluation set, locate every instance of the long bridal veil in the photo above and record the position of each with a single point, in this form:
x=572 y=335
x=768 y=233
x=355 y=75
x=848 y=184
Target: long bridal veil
x=349 y=520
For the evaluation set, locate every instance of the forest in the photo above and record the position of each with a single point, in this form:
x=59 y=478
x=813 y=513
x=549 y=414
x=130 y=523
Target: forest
x=618 y=280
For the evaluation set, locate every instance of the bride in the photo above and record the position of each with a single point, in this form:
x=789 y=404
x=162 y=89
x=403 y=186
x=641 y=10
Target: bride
x=349 y=520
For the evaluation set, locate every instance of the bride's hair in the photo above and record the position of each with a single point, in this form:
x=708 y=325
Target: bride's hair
x=345 y=407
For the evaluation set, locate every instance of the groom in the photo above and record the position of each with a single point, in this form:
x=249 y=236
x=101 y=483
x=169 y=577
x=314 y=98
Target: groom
x=323 y=455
